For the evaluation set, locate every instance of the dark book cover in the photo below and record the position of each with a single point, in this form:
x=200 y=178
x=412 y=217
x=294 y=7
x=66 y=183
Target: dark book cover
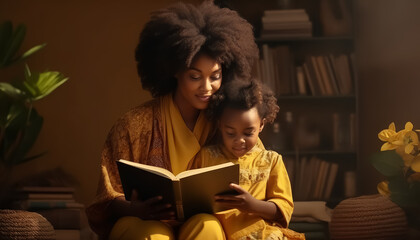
x=198 y=190
x=147 y=184
x=190 y=192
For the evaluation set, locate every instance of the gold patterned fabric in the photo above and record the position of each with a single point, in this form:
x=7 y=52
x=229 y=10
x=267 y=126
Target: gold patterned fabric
x=264 y=176
x=140 y=136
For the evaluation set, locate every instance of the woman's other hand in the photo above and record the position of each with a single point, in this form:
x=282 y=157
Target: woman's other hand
x=150 y=209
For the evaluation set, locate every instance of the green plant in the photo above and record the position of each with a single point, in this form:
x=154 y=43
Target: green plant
x=399 y=162
x=20 y=123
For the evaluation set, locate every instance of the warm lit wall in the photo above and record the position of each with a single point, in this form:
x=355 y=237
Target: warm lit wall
x=92 y=42
x=388 y=54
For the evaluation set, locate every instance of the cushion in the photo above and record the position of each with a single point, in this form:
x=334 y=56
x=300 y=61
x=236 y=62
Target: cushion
x=368 y=217
x=24 y=225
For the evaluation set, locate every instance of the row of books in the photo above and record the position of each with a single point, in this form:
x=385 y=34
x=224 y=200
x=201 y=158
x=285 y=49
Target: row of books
x=56 y=204
x=285 y=23
x=316 y=75
x=326 y=75
x=311 y=178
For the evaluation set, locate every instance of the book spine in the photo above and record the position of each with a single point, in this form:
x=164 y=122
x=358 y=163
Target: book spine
x=40 y=204
x=178 y=199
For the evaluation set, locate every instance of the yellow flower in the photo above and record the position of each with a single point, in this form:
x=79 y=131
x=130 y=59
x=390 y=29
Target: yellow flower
x=407 y=158
x=415 y=165
x=383 y=188
x=409 y=138
x=388 y=136
x=405 y=138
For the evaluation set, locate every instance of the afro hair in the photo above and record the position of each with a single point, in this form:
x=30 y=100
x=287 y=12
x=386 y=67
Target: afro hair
x=175 y=35
x=244 y=95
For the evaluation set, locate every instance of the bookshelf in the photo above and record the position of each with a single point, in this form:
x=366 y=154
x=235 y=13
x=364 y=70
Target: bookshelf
x=315 y=80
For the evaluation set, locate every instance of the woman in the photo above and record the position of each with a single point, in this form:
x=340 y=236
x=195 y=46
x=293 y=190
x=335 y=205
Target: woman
x=184 y=55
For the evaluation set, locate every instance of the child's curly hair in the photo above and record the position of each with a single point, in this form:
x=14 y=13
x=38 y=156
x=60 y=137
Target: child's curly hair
x=175 y=35
x=244 y=95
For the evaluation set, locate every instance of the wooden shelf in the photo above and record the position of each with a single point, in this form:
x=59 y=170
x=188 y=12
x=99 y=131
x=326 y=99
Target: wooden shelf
x=315 y=98
x=318 y=152
x=348 y=39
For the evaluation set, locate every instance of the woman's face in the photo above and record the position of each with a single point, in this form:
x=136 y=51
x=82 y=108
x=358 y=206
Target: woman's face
x=198 y=82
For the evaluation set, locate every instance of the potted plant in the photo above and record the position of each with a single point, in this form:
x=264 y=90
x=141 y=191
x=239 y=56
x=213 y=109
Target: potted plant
x=20 y=123
x=399 y=162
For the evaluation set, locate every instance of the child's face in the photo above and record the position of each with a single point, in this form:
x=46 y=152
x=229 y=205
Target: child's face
x=240 y=129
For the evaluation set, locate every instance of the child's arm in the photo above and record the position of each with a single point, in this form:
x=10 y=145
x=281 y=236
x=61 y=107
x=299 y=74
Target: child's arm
x=245 y=202
x=279 y=190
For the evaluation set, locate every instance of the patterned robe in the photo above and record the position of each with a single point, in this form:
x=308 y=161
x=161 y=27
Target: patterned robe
x=154 y=134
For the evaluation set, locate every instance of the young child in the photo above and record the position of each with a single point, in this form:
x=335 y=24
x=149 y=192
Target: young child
x=264 y=205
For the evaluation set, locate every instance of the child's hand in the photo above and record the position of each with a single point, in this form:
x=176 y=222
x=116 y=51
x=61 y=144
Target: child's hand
x=244 y=201
x=151 y=208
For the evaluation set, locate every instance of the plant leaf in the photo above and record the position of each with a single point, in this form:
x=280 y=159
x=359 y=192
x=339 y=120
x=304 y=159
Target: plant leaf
x=39 y=85
x=15 y=123
x=6 y=31
x=388 y=163
x=30 y=52
x=11 y=91
x=14 y=44
x=402 y=192
x=26 y=159
x=17 y=112
x=5 y=103
x=30 y=134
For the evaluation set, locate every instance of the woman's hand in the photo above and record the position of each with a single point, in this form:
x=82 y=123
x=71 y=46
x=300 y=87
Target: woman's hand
x=245 y=202
x=150 y=209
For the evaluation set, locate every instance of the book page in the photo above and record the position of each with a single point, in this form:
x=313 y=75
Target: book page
x=153 y=169
x=191 y=172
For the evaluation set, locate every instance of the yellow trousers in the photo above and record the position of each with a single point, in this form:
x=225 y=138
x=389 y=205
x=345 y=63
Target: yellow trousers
x=198 y=227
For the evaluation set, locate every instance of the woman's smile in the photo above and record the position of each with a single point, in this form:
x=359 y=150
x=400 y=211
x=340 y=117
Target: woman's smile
x=204 y=98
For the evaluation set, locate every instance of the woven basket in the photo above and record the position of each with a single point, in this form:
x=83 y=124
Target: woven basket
x=23 y=225
x=368 y=217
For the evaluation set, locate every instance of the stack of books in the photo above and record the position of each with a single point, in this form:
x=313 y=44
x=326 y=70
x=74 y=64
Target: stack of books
x=56 y=204
x=311 y=178
x=312 y=230
x=285 y=23
x=311 y=218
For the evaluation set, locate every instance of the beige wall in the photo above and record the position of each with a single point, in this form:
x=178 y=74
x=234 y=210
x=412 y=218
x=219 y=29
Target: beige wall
x=92 y=42
x=388 y=54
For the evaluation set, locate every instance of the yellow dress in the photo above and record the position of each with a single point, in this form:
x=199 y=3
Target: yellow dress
x=264 y=176
x=154 y=134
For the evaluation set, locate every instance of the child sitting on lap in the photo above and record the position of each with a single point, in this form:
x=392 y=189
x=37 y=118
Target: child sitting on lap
x=264 y=205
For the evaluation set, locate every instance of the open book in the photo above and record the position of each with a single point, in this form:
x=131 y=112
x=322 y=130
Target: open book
x=190 y=192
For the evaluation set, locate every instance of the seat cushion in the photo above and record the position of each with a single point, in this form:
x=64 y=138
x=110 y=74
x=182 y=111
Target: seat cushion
x=24 y=225
x=368 y=217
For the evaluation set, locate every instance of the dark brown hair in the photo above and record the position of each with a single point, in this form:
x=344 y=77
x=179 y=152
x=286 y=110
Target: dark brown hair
x=244 y=95
x=175 y=35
